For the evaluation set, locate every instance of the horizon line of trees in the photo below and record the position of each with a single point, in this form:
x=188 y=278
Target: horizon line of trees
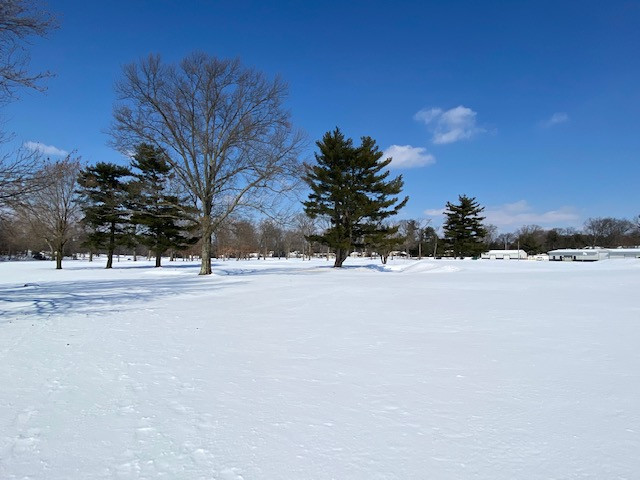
x=32 y=227
x=213 y=153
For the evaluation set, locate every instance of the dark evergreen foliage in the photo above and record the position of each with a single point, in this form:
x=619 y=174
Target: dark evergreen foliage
x=349 y=187
x=385 y=241
x=463 y=228
x=159 y=214
x=103 y=196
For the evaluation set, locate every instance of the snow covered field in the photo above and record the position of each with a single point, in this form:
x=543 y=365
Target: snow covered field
x=293 y=370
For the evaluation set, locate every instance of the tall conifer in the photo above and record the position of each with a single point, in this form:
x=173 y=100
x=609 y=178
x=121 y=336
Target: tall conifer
x=154 y=208
x=103 y=191
x=349 y=188
x=463 y=228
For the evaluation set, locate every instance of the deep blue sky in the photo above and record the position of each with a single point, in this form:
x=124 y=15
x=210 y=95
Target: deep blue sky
x=532 y=107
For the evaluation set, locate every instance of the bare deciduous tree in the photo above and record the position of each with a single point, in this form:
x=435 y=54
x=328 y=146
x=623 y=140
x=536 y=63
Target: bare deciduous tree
x=409 y=231
x=15 y=236
x=223 y=125
x=607 y=231
x=21 y=173
x=492 y=234
x=506 y=238
x=305 y=227
x=531 y=239
x=245 y=239
x=52 y=211
x=413 y=233
x=20 y=20
x=270 y=238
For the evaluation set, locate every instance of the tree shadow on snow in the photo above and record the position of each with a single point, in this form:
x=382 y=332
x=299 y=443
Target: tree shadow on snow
x=101 y=296
x=311 y=270
x=373 y=266
x=140 y=265
x=220 y=270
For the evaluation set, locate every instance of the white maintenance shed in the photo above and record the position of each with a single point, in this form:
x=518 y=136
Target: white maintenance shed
x=504 y=255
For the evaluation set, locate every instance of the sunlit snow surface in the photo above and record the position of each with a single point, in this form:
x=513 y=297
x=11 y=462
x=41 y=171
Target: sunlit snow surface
x=293 y=370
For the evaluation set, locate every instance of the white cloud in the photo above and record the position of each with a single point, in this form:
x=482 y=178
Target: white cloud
x=450 y=126
x=434 y=212
x=406 y=156
x=45 y=149
x=427 y=115
x=514 y=215
x=511 y=216
x=556 y=118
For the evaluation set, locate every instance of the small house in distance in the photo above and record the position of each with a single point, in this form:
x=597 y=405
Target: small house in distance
x=504 y=255
x=578 y=254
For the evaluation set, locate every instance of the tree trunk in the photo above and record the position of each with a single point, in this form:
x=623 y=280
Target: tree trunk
x=59 y=246
x=112 y=245
x=341 y=256
x=158 y=259
x=205 y=266
x=59 y=257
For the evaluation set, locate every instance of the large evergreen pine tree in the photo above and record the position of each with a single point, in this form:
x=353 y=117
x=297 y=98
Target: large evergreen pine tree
x=159 y=213
x=463 y=228
x=349 y=187
x=104 y=191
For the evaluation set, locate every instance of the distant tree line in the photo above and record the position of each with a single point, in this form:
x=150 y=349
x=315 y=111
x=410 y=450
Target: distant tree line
x=607 y=232
x=212 y=154
x=138 y=211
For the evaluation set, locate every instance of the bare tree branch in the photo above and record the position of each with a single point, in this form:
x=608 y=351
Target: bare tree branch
x=223 y=125
x=19 y=21
x=52 y=211
x=21 y=174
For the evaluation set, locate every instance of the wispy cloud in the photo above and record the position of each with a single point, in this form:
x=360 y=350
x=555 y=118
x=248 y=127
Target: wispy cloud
x=511 y=216
x=556 y=119
x=434 y=212
x=406 y=156
x=514 y=215
x=449 y=126
x=45 y=149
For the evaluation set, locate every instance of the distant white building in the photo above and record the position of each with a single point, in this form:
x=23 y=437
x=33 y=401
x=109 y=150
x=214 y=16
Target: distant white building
x=578 y=254
x=592 y=254
x=624 y=252
x=539 y=257
x=504 y=255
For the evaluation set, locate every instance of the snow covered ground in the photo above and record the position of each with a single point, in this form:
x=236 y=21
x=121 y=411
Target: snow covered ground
x=293 y=370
